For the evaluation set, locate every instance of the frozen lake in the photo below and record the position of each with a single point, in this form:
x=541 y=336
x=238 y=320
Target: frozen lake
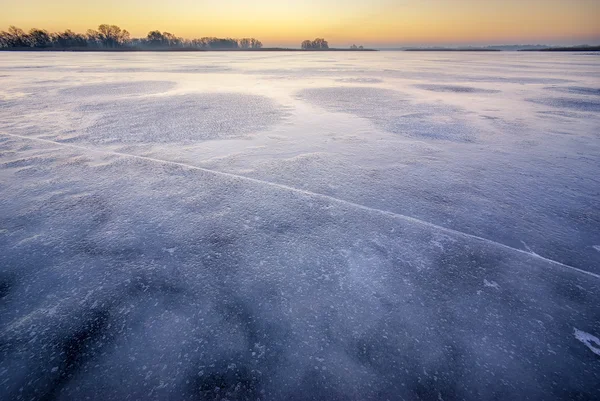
x=386 y=225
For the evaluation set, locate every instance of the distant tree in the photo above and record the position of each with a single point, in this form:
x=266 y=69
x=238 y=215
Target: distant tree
x=125 y=38
x=93 y=38
x=244 y=43
x=206 y=42
x=68 y=38
x=353 y=47
x=15 y=37
x=172 y=40
x=39 y=38
x=318 y=43
x=105 y=35
x=4 y=39
x=112 y=36
x=219 y=43
x=199 y=43
x=155 y=38
x=19 y=37
x=360 y=47
x=255 y=43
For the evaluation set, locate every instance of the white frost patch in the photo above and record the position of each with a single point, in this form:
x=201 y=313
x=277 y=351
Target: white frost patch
x=596 y=247
x=28 y=239
x=437 y=244
x=592 y=342
x=492 y=284
x=171 y=251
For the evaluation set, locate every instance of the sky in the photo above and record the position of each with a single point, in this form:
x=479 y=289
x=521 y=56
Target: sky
x=375 y=23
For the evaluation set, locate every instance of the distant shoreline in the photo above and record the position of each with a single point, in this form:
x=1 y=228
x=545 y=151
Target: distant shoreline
x=451 y=50
x=565 y=49
x=544 y=49
x=172 y=49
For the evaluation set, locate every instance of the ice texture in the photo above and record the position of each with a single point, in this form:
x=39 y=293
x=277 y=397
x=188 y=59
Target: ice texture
x=179 y=119
x=268 y=226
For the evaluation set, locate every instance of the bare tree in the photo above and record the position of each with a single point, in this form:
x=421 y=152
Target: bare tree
x=206 y=42
x=255 y=43
x=245 y=43
x=93 y=37
x=125 y=37
x=171 y=39
x=318 y=43
x=15 y=37
x=68 y=38
x=39 y=38
x=4 y=39
x=155 y=38
x=199 y=43
x=112 y=36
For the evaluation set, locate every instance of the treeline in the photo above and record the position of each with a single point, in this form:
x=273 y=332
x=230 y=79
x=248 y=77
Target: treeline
x=112 y=37
x=316 y=44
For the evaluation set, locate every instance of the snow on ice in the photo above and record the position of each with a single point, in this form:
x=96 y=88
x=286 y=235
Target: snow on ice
x=299 y=226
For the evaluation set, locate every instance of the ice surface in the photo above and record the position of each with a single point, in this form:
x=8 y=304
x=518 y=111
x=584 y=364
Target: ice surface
x=178 y=119
x=299 y=226
x=456 y=89
x=113 y=90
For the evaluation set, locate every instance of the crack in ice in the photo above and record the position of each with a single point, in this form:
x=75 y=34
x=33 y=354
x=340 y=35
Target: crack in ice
x=313 y=194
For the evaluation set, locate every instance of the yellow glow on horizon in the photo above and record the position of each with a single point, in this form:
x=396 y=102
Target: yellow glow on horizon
x=279 y=23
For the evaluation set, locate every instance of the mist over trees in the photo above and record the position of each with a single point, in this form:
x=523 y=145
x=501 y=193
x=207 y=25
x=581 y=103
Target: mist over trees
x=318 y=43
x=113 y=37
